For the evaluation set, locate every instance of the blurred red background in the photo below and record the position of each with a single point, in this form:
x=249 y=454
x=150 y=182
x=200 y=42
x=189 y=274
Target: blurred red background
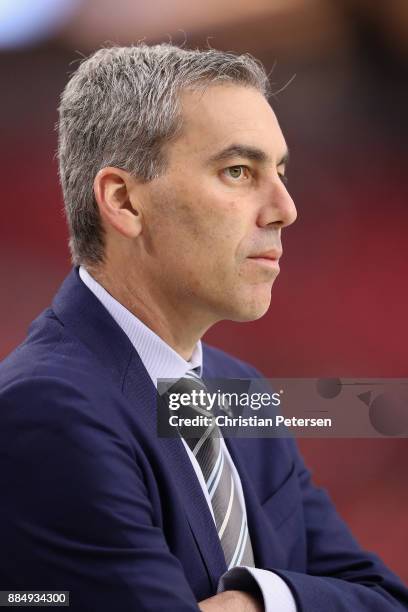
x=339 y=307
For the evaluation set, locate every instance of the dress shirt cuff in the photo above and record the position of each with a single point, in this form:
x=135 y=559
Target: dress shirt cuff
x=277 y=596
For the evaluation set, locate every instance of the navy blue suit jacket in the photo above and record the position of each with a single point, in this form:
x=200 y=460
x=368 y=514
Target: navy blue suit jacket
x=93 y=502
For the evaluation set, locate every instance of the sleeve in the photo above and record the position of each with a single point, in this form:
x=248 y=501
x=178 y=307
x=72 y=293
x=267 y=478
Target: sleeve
x=75 y=514
x=340 y=575
x=268 y=586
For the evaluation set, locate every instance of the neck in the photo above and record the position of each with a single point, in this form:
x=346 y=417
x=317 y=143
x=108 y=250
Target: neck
x=174 y=321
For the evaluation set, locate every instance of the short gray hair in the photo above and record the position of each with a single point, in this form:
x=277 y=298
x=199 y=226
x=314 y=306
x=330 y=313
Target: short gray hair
x=118 y=109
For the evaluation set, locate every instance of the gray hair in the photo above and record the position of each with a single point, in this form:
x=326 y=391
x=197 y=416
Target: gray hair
x=118 y=109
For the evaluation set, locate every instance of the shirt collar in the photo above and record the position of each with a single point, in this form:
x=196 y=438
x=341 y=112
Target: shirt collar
x=159 y=359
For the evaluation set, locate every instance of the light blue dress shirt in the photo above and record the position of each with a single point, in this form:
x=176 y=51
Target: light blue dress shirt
x=161 y=361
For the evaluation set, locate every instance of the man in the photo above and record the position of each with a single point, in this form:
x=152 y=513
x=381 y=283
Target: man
x=172 y=165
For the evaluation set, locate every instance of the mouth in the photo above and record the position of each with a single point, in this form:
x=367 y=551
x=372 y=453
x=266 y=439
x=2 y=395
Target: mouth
x=268 y=258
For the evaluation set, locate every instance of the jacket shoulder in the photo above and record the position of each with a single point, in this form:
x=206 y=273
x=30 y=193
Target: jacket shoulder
x=53 y=368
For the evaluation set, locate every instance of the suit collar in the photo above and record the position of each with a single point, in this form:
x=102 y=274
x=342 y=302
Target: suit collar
x=159 y=359
x=83 y=315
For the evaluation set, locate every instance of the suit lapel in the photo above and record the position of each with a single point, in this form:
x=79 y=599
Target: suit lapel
x=267 y=547
x=81 y=311
x=141 y=392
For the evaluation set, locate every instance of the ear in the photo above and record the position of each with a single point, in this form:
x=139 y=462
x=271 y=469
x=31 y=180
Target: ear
x=116 y=199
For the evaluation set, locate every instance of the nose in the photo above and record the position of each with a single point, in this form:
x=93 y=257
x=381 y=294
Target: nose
x=278 y=209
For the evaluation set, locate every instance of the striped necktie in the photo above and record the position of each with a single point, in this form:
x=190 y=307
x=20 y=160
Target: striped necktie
x=229 y=515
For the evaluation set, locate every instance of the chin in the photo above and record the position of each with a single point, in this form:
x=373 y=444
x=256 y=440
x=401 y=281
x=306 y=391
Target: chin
x=252 y=310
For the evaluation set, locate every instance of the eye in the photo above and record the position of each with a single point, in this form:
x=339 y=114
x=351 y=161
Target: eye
x=283 y=178
x=237 y=172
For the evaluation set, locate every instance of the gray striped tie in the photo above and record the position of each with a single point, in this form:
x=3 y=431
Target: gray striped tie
x=230 y=517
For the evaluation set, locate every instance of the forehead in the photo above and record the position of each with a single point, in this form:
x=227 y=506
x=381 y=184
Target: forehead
x=220 y=115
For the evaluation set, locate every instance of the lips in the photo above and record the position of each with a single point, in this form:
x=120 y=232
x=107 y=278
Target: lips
x=273 y=255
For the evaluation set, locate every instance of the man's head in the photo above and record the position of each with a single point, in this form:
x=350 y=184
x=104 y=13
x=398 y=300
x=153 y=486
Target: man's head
x=172 y=165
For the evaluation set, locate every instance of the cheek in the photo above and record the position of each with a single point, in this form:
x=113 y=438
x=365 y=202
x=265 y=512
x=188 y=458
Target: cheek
x=222 y=220
x=168 y=221
x=198 y=225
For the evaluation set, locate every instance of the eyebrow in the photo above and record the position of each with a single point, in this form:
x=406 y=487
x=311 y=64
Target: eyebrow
x=247 y=152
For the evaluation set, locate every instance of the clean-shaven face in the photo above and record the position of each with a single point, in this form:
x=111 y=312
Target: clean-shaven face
x=212 y=222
